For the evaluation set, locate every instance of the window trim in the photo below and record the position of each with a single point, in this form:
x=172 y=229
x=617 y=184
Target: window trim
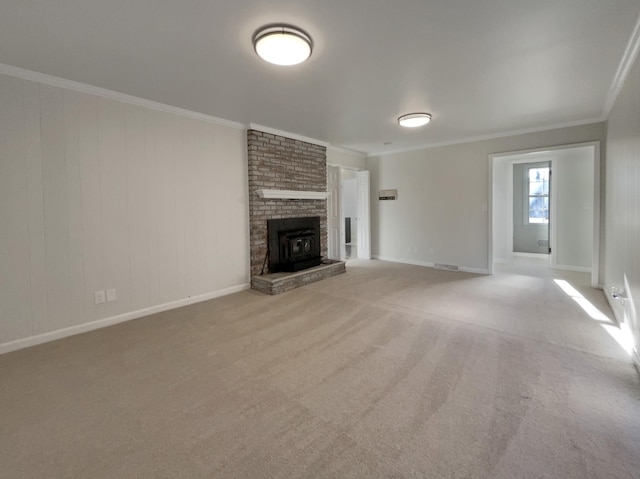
x=528 y=195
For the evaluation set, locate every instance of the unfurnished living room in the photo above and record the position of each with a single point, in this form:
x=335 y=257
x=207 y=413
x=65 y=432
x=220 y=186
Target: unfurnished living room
x=309 y=239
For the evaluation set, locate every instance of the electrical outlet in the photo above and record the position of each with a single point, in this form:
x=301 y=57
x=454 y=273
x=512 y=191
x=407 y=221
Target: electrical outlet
x=99 y=297
x=111 y=295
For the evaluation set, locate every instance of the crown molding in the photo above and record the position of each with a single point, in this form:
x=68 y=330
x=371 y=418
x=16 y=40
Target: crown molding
x=628 y=59
x=112 y=95
x=287 y=134
x=346 y=151
x=487 y=137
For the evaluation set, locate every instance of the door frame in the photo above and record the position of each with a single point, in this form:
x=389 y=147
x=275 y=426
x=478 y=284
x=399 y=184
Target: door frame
x=595 y=255
x=341 y=212
x=552 y=192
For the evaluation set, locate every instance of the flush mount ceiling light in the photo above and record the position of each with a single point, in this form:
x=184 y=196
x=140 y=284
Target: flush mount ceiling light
x=414 y=120
x=282 y=44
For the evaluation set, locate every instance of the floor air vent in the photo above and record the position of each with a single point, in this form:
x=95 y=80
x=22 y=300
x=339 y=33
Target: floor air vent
x=448 y=267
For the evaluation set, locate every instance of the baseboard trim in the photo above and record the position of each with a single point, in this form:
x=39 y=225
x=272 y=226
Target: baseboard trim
x=577 y=269
x=531 y=255
x=121 y=318
x=635 y=356
x=392 y=259
x=474 y=270
x=427 y=264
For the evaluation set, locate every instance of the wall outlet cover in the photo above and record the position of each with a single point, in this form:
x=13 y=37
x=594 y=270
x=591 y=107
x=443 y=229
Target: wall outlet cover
x=111 y=295
x=99 y=297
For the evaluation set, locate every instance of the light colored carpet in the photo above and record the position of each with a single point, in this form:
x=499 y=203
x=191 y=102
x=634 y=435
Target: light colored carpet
x=389 y=371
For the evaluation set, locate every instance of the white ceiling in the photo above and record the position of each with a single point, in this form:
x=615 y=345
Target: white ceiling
x=481 y=68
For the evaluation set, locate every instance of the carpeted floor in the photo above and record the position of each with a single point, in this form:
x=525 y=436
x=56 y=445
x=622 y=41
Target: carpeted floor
x=389 y=371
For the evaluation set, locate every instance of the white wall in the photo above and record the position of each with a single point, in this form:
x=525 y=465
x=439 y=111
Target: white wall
x=622 y=218
x=573 y=172
x=441 y=212
x=341 y=157
x=350 y=197
x=501 y=223
x=98 y=194
x=573 y=178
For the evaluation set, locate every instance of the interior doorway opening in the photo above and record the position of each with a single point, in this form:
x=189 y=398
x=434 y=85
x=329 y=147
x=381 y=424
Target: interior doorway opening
x=348 y=213
x=552 y=220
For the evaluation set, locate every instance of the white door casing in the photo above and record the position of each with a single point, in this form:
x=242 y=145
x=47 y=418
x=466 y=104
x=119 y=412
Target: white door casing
x=364 y=229
x=333 y=212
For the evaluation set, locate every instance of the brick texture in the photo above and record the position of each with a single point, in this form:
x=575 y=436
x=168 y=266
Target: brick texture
x=267 y=285
x=279 y=163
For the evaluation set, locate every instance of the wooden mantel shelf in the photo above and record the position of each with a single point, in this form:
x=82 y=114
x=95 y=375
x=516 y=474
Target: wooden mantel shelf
x=292 y=195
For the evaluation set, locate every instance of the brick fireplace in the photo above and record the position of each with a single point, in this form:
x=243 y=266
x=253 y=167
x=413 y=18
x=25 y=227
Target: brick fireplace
x=280 y=163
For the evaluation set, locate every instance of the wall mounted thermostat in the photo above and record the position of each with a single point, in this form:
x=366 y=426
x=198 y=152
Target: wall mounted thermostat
x=388 y=195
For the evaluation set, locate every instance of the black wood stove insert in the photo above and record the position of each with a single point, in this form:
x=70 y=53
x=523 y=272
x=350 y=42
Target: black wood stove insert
x=294 y=243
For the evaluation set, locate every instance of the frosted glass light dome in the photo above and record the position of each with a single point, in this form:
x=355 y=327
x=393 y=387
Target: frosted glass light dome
x=414 y=120
x=282 y=45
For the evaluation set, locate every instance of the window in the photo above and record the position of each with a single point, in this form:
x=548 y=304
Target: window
x=538 y=195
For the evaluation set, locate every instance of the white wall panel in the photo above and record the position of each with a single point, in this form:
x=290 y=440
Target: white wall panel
x=166 y=261
x=137 y=218
x=74 y=208
x=574 y=174
x=14 y=217
x=98 y=194
x=212 y=207
x=56 y=223
x=622 y=219
x=113 y=187
x=36 y=241
x=153 y=213
x=91 y=204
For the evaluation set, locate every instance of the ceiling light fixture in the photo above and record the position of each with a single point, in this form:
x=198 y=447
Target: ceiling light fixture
x=414 y=120
x=282 y=44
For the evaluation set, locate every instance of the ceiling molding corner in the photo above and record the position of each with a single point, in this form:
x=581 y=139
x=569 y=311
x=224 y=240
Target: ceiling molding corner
x=346 y=151
x=112 y=95
x=488 y=137
x=286 y=134
x=628 y=59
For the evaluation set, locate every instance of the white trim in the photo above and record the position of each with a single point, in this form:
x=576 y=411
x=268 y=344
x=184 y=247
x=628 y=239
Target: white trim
x=553 y=214
x=578 y=269
x=628 y=59
x=542 y=156
x=464 y=269
x=112 y=95
x=392 y=259
x=427 y=264
x=635 y=355
x=103 y=323
x=531 y=255
x=543 y=150
x=489 y=137
x=350 y=168
x=292 y=195
x=287 y=134
x=595 y=261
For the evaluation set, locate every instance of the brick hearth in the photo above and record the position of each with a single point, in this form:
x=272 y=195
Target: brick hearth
x=280 y=163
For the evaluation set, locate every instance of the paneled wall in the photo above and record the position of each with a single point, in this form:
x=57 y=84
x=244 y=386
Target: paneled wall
x=622 y=219
x=99 y=194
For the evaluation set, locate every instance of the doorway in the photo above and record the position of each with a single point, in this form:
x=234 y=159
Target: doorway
x=349 y=203
x=531 y=206
x=555 y=220
x=348 y=213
